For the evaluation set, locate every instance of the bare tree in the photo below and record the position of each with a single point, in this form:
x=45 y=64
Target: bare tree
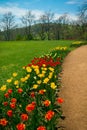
x=48 y=18
x=61 y=26
x=82 y=19
x=58 y=28
x=28 y=20
x=83 y=10
x=42 y=22
x=8 y=23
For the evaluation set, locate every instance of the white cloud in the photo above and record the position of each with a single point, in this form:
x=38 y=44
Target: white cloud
x=56 y=16
x=19 y=12
x=37 y=13
x=71 y=2
x=15 y=10
x=70 y=16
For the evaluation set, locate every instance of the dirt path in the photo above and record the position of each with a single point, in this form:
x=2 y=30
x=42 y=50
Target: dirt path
x=74 y=90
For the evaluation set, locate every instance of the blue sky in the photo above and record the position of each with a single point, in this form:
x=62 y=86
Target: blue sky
x=59 y=7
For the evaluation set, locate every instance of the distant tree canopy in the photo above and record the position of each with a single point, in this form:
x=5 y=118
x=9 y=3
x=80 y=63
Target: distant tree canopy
x=46 y=28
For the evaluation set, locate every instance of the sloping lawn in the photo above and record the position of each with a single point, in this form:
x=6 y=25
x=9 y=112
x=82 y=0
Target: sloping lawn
x=16 y=54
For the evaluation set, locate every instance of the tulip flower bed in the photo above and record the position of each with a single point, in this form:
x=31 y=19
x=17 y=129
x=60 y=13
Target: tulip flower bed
x=32 y=102
x=78 y=43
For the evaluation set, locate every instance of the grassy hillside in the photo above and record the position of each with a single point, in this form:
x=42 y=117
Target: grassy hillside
x=15 y=54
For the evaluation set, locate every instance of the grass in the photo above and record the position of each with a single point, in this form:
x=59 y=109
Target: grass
x=16 y=54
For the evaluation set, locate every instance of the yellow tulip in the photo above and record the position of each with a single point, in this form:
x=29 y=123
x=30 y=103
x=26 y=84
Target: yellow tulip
x=44 y=65
x=44 y=68
x=41 y=75
x=23 y=79
x=15 y=74
x=37 y=71
x=39 y=81
x=53 y=86
x=46 y=80
x=35 y=86
x=9 y=80
x=16 y=82
x=43 y=72
x=17 y=86
x=35 y=66
x=51 y=69
x=3 y=88
x=28 y=69
x=28 y=75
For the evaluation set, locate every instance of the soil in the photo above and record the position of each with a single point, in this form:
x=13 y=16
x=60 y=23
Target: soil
x=74 y=90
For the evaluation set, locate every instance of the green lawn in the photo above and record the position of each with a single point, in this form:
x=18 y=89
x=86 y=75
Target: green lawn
x=15 y=54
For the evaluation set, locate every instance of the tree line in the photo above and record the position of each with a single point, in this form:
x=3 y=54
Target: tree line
x=46 y=27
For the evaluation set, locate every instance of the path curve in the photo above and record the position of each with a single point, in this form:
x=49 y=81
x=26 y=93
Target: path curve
x=74 y=90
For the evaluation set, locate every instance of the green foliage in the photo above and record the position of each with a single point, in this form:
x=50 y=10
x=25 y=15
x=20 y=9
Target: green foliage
x=19 y=37
x=27 y=37
x=85 y=36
